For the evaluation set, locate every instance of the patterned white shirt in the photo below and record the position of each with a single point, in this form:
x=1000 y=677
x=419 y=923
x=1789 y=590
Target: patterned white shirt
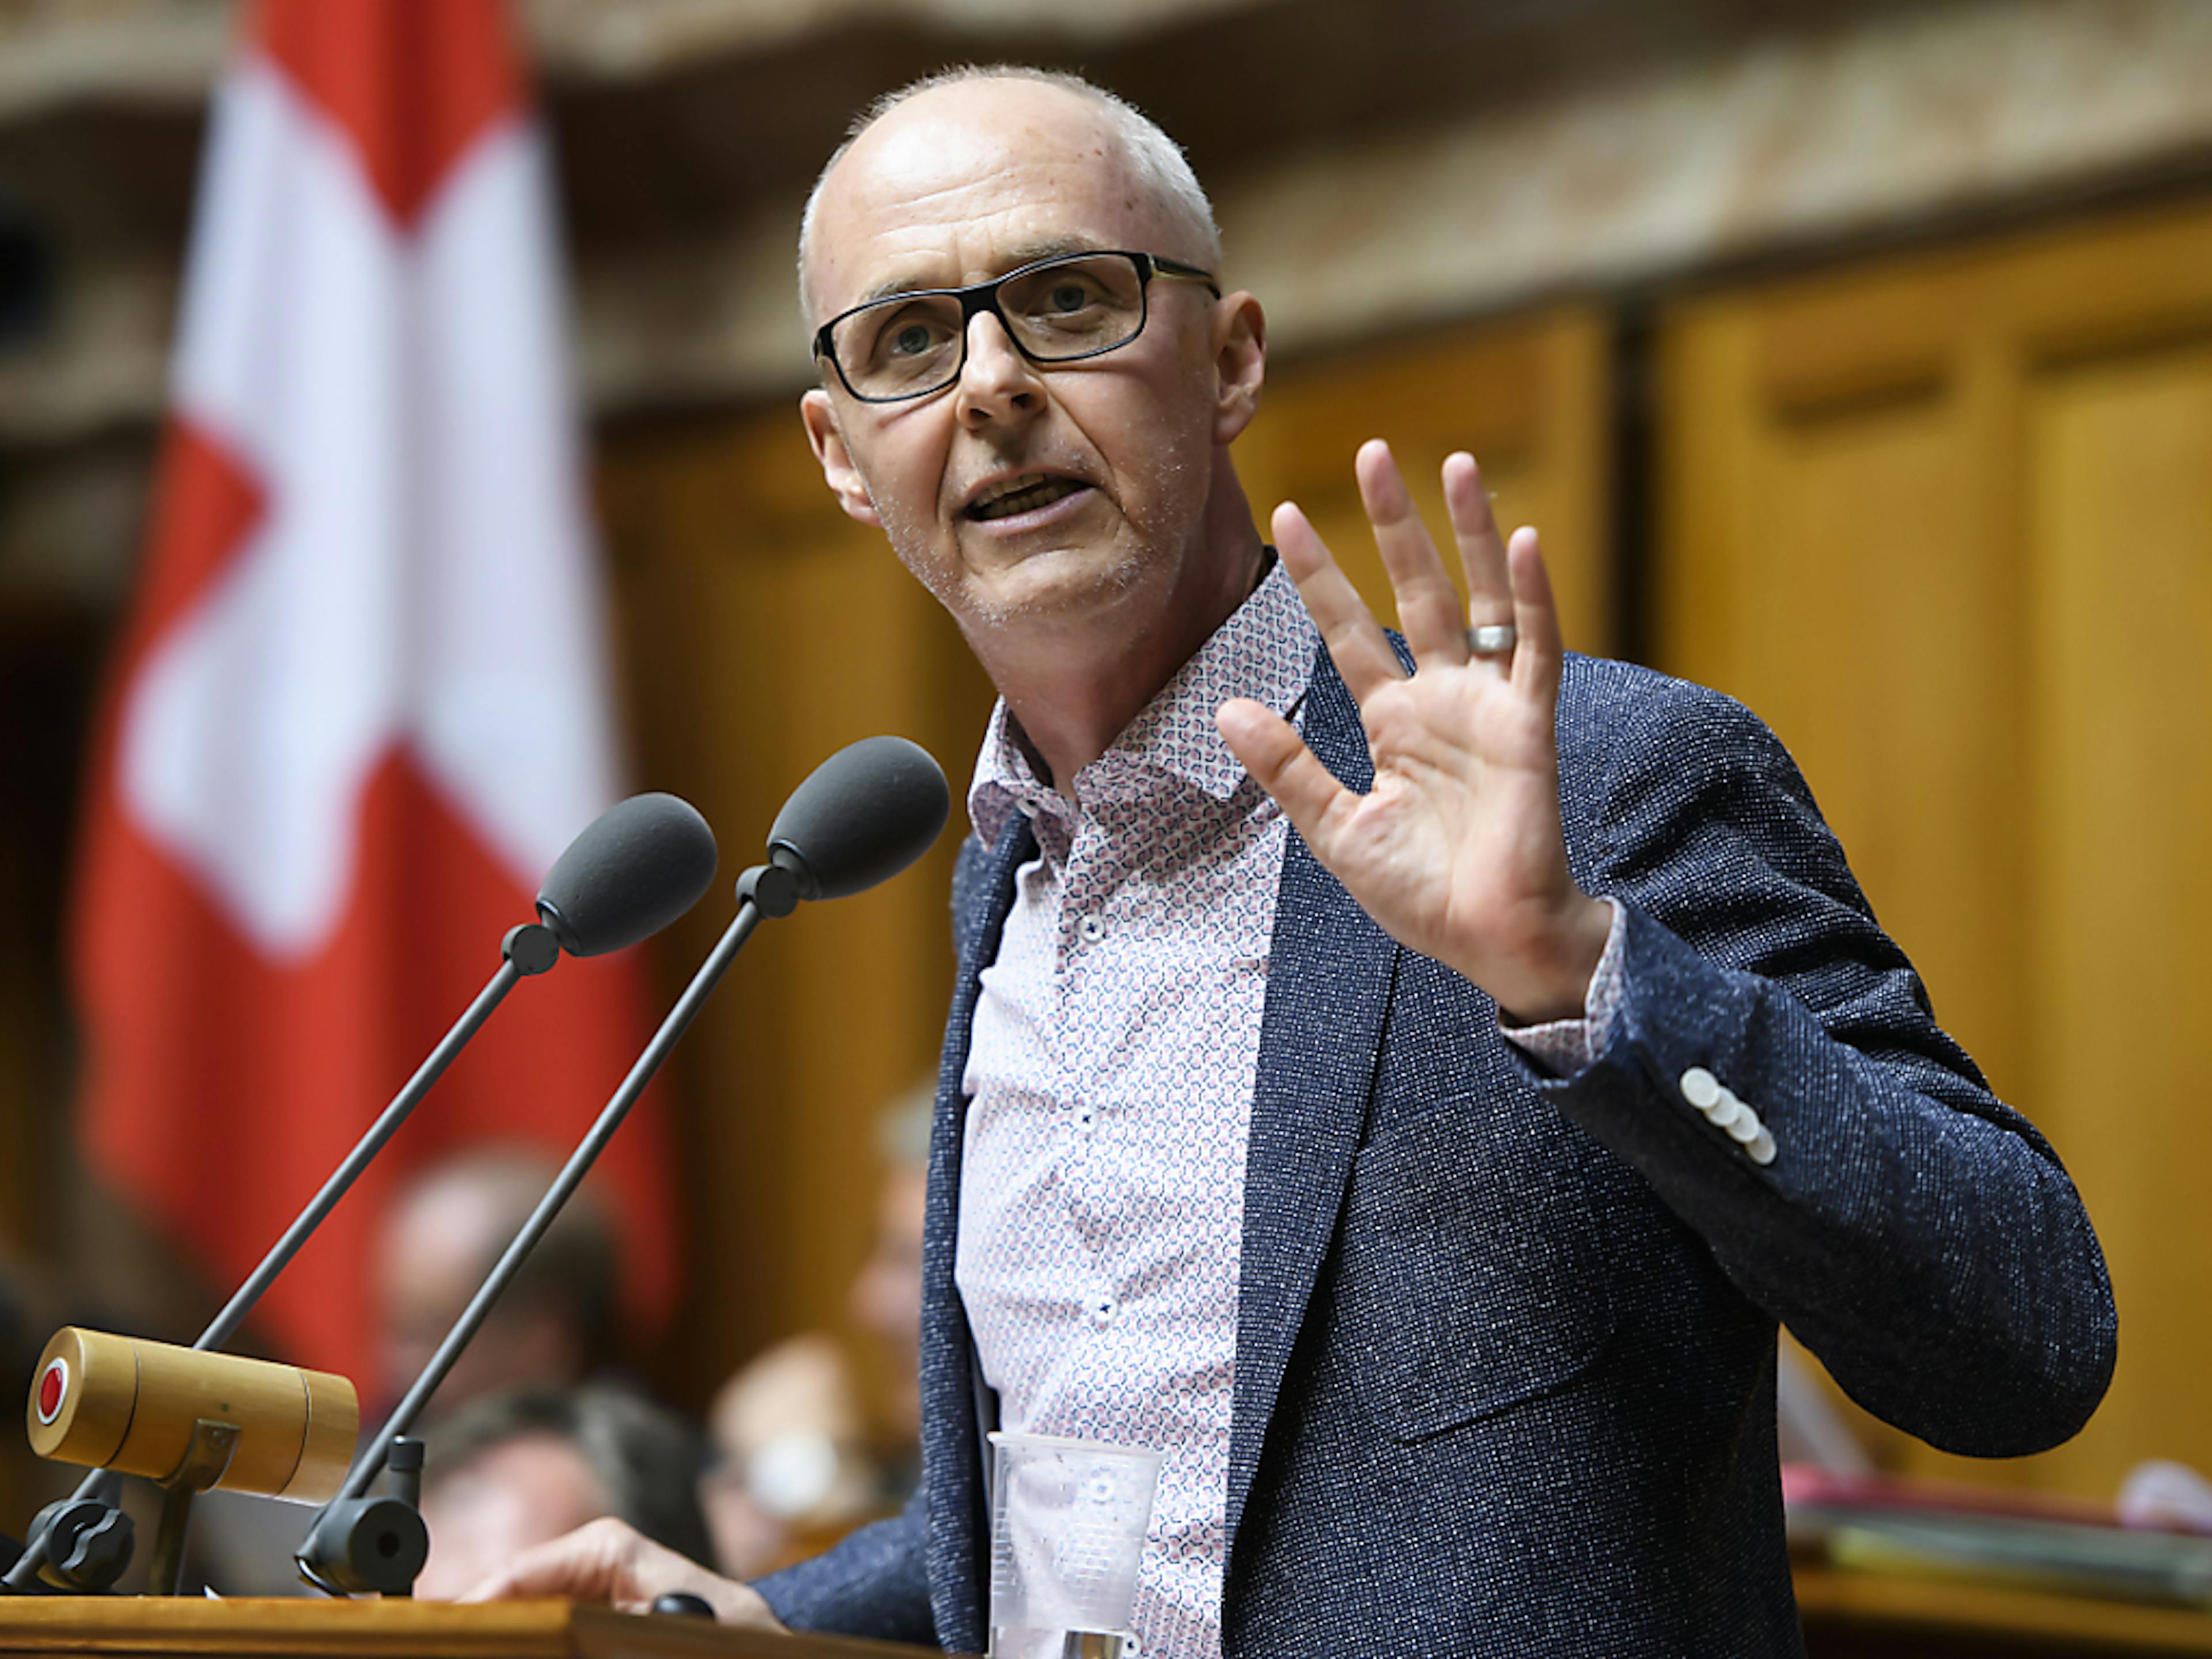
x=1114 y=1056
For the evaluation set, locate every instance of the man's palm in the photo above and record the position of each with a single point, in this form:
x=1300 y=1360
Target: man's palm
x=1456 y=850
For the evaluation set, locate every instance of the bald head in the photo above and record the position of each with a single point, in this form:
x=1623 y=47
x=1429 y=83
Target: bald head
x=1066 y=507
x=959 y=121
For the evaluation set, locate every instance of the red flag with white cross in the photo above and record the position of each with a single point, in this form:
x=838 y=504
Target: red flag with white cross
x=361 y=702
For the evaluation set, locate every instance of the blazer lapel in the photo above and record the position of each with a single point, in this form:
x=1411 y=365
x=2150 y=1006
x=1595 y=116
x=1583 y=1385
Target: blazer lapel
x=1329 y=976
x=982 y=894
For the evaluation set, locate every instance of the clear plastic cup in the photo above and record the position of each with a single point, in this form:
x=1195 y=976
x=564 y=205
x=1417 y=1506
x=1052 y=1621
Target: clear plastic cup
x=1067 y=1532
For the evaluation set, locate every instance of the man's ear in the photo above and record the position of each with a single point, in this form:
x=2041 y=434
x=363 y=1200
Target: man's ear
x=1240 y=364
x=838 y=471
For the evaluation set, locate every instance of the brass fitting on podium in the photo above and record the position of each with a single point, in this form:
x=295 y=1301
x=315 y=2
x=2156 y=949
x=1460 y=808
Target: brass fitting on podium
x=136 y=1408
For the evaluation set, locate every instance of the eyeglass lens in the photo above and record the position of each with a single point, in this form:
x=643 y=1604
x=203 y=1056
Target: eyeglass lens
x=1071 y=308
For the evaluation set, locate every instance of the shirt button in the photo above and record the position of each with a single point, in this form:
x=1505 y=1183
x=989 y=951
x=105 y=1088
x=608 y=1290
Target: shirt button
x=1092 y=928
x=1700 y=1088
x=1029 y=808
x=1086 y=1118
x=1103 y=1309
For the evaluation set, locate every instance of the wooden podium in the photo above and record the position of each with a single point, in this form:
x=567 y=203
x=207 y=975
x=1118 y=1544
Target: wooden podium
x=150 y=1626
x=1847 y=1616
x=1873 y=1615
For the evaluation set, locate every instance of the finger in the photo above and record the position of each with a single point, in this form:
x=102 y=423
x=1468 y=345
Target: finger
x=1482 y=549
x=1271 y=752
x=1428 y=604
x=1356 y=644
x=609 y=1561
x=1538 y=653
x=576 y=1565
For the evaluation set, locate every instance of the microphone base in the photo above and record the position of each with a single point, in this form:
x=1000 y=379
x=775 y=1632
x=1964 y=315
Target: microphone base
x=366 y=1547
x=88 y=1546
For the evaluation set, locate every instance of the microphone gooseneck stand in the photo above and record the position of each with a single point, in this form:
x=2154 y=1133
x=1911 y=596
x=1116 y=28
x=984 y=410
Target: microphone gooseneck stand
x=84 y=1538
x=362 y=1545
x=860 y=817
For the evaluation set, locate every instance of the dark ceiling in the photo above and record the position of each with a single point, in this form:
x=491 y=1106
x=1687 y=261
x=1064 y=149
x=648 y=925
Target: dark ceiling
x=665 y=158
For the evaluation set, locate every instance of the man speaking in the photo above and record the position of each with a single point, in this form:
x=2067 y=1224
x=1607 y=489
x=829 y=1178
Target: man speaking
x=1405 y=1084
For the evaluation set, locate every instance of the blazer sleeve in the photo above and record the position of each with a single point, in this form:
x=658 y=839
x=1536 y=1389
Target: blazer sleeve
x=874 y=1583
x=1913 y=1231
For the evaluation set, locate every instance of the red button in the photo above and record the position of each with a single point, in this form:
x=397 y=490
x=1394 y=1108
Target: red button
x=51 y=1387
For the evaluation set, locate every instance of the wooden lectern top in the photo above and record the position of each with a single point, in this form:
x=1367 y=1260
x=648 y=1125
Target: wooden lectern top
x=1848 y=1614
x=301 y=1629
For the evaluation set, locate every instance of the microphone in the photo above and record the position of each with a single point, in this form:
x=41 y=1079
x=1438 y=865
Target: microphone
x=633 y=869
x=642 y=862
x=860 y=817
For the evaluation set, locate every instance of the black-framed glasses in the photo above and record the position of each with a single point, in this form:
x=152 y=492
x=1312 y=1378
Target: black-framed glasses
x=1059 y=310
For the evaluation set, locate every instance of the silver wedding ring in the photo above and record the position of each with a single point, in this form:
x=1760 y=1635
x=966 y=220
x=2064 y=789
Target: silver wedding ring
x=1492 y=639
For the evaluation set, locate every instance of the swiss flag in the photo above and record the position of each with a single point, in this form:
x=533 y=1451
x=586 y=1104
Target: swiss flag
x=360 y=704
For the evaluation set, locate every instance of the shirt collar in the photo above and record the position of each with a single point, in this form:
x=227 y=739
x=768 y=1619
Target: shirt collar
x=1265 y=650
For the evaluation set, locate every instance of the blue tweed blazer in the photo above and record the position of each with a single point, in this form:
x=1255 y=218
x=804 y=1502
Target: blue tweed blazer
x=1506 y=1342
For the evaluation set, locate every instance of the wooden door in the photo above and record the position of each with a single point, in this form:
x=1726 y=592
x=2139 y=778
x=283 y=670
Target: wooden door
x=1945 y=521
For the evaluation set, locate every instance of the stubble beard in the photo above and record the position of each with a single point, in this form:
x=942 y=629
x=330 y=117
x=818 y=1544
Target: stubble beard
x=980 y=611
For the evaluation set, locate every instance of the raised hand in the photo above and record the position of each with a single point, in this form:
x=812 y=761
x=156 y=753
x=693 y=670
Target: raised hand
x=1456 y=851
x=610 y=1562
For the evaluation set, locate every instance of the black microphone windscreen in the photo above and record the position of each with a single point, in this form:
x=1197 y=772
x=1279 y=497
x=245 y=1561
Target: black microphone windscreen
x=636 y=867
x=863 y=816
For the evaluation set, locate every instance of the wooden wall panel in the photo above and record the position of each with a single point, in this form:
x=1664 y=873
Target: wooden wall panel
x=2118 y=471
x=1944 y=520
x=761 y=630
x=1530 y=399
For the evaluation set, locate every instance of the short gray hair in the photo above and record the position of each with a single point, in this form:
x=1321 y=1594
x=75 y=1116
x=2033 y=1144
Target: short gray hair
x=1157 y=159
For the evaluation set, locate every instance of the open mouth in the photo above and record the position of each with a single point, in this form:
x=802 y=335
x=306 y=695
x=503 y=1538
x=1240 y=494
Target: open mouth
x=1026 y=494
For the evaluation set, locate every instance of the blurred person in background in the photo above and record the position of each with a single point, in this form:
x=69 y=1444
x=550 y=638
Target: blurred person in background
x=557 y=1323
x=800 y=1457
x=886 y=1300
x=792 y=1472
x=2161 y=1493
x=514 y=1469
x=1807 y=1427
